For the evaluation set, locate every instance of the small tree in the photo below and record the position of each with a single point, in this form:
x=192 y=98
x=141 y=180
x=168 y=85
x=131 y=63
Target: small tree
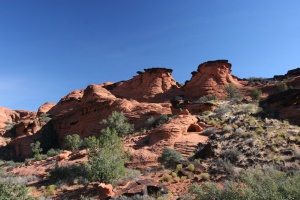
x=72 y=142
x=170 y=157
x=255 y=94
x=107 y=163
x=36 y=149
x=232 y=91
x=118 y=122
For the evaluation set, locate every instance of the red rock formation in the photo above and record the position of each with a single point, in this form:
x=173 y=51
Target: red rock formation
x=81 y=115
x=105 y=190
x=181 y=133
x=287 y=107
x=153 y=85
x=7 y=116
x=22 y=146
x=210 y=78
x=45 y=107
x=172 y=130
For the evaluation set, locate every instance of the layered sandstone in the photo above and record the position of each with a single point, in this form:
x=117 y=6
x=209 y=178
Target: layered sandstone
x=210 y=78
x=82 y=115
x=152 y=85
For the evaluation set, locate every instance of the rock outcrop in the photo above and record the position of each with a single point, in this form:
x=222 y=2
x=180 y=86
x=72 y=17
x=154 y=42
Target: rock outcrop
x=82 y=113
x=152 y=85
x=287 y=107
x=210 y=78
x=181 y=133
x=45 y=107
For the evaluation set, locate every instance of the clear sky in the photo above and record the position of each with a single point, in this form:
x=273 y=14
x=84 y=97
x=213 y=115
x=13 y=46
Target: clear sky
x=51 y=47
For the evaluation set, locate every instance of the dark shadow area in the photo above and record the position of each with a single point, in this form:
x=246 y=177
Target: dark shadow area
x=283 y=106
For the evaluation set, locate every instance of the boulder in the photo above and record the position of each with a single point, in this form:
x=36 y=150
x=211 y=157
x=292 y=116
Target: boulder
x=105 y=190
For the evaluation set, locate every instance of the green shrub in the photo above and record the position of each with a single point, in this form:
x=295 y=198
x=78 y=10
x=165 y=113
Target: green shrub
x=177 y=179
x=37 y=150
x=191 y=167
x=162 y=119
x=170 y=157
x=256 y=94
x=90 y=143
x=13 y=191
x=233 y=155
x=45 y=117
x=281 y=87
x=206 y=98
x=179 y=167
x=183 y=178
x=118 y=122
x=174 y=174
x=72 y=142
x=219 y=112
x=166 y=178
x=49 y=191
x=53 y=152
x=68 y=173
x=107 y=164
x=254 y=184
x=204 y=176
x=232 y=91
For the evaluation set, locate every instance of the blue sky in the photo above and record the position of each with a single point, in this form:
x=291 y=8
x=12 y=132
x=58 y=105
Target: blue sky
x=51 y=47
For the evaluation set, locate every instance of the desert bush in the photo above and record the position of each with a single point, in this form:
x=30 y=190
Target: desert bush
x=130 y=174
x=281 y=87
x=232 y=91
x=12 y=191
x=221 y=111
x=204 y=176
x=239 y=132
x=227 y=129
x=191 y=167
x=68 y=174
x=162 y=119
x=206 y=98
x=173 y=174
x=177 y=179
x=72 y=142
x=256 y=94
x=135 y=197
x=209 y=131
x=179 y=167
x=247 y=109
x=49 y=191
x=53 y=152
x=170 y=157
x=183 y=178
x=254 y=184
x=118 y=122
x=37 y=150
x=233 y=155
x=166 y=178
x=45 y=117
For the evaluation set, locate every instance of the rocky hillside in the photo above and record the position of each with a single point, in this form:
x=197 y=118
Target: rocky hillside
x=196 y=119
